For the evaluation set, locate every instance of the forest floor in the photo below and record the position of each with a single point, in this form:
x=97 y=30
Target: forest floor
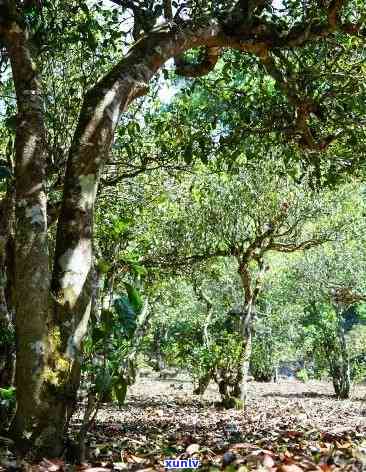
x=288 y=426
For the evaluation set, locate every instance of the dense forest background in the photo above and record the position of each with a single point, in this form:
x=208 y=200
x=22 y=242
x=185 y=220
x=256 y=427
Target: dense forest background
x=181 y=187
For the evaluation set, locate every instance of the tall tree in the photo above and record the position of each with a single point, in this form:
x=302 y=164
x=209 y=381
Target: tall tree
x=52 y=295
x=244 y=217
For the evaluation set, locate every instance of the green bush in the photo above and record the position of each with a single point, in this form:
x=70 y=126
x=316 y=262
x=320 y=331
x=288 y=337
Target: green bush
x=263 y=362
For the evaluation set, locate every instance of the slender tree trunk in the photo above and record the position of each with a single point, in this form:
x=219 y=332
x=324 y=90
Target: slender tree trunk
x=246 y=353
x=251 y=291
x=204 y=381
x=250 y=294
x=7 y=343
x=206 y=334
x=340 y=364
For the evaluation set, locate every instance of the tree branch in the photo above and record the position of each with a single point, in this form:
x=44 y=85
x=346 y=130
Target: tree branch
x=100 y=114
x=304 y=106
x=282 y=247
x=168 y=10
x=333 y=12
x=173 y=260
x=206 y=65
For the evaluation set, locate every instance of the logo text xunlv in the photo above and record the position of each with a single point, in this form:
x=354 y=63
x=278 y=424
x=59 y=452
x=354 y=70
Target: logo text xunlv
x=181 y=463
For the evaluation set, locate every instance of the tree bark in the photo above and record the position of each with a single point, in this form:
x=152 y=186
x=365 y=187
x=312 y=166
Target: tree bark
x=251 y=291
x=7 y=343
x=246 y=353
x=340 y=364
x=31 y=245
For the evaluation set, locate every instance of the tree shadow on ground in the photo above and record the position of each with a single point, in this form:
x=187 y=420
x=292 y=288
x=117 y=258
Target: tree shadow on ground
x=300 y=395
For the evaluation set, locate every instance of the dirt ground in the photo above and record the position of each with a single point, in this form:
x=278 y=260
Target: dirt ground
x=287 y=426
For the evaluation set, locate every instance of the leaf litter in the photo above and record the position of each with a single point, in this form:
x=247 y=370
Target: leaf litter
x=287 y=427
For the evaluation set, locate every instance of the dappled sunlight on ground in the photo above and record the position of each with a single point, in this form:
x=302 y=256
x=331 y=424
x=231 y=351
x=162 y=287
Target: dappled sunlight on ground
x=287 y=426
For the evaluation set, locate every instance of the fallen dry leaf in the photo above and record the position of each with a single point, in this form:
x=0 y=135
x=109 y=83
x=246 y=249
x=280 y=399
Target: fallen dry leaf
x=156 y=423
x=268 y=461
x=192 y=449
x=291 y=468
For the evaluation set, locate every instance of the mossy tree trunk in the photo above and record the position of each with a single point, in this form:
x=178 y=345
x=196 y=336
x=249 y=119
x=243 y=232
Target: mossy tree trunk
x=31 y=245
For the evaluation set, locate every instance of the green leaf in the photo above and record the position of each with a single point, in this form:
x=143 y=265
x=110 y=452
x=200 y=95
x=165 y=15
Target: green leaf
x=134 y=297
x=7 y=393
x=103 y=266
x=126 y=315
x=120 y=226
x=138 y=269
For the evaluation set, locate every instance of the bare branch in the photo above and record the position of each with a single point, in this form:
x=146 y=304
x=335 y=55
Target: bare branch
x=293 y=247
x=168 y=11
x=174 y=260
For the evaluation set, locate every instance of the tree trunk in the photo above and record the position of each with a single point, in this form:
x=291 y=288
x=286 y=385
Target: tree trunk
x=340 y=364
x=203 y=383
x=31 y=246
x=245 y=363
x=7 y=342
x=229 y=384
x=251 y=291
x=205 y=379
x=48 y=366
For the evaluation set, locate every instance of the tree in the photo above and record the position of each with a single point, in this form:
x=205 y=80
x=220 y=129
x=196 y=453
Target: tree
x=52 y=288
x=331 y=287
x=245 y=217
